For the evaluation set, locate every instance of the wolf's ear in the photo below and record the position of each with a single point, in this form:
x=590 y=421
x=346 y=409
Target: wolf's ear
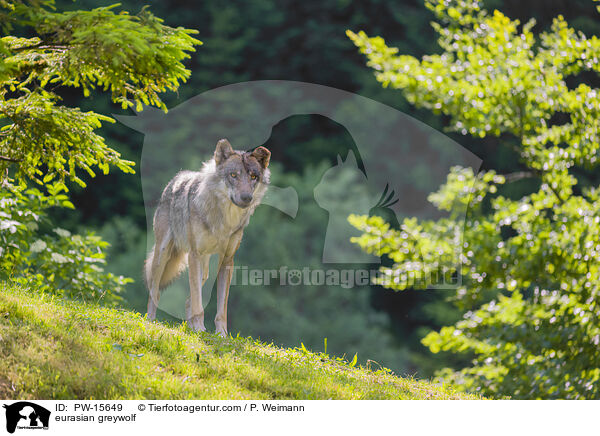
x=223 y=151
x=262 y=155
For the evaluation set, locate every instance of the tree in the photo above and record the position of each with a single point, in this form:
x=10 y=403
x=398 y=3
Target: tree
x=529 y=264
x=135 y=57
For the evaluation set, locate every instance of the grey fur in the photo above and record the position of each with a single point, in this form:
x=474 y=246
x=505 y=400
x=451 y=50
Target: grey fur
x=202 y=213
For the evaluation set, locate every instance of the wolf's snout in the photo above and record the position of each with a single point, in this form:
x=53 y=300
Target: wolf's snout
x=246 y=198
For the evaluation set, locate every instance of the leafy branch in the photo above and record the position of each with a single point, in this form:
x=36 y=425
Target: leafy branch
x=134 y=57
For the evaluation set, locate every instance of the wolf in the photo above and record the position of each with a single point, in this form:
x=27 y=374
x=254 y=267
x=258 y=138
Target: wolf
x=201 y=213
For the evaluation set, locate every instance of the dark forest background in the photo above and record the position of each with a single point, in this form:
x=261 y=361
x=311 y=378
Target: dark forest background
x=302 y=41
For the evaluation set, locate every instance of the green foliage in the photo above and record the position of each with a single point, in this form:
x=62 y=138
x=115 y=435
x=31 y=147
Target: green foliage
x=529 y=266
x=135 y=57
x=105 y=353
x=42 y=140
x=34 y=252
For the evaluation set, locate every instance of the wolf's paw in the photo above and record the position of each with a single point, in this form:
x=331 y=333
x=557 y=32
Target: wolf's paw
x=196 y=323
x=221 y=330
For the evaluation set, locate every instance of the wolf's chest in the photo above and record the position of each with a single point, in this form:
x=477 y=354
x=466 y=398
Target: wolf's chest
x=212 y=232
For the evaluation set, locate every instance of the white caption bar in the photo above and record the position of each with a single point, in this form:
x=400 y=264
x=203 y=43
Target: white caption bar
x=148 y=417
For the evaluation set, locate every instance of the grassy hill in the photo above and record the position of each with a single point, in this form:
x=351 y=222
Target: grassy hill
x=52 y=348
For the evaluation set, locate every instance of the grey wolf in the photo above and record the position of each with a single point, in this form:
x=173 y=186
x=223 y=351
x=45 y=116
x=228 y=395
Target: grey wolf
x=201 y=213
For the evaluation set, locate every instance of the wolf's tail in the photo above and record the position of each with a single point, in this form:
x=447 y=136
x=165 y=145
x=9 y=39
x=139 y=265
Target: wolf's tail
x=148 y=268
x=176 y=264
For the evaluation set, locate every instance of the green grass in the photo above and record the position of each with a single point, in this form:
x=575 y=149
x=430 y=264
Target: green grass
x=51 y=348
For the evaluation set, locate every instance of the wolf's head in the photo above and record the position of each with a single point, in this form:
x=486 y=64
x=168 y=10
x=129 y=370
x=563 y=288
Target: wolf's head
x=243 y=172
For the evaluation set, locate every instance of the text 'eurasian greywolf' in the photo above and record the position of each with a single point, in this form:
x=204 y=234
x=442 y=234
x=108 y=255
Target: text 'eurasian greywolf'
x=202 y=213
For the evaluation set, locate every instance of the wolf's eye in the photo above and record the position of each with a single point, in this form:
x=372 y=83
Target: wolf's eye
x=253 y=176
x=233 y=175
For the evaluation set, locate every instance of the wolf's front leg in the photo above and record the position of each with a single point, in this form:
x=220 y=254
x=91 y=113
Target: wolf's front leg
x=194 y=308
x=223 y=282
